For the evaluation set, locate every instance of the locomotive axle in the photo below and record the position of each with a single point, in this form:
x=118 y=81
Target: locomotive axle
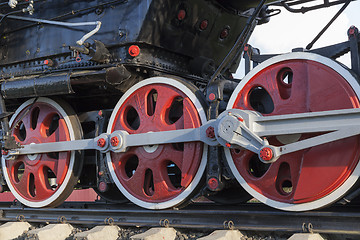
x=233 y=129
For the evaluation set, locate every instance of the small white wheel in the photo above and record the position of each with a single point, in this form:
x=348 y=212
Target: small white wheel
x=43 y=180
x=314 y=177
x=158 y=176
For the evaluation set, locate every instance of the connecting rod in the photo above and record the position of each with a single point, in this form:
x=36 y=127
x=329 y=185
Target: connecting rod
x=232 y=129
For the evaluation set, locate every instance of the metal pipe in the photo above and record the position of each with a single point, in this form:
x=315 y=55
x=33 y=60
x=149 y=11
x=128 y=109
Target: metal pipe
x=64 y=24
x=36 y=87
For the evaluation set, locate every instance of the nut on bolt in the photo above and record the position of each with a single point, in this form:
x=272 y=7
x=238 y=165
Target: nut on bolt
x=210 y=132
x=352 y=30
x=266 y=154
x=114 y=141
x=101 y=142
x=213 y=183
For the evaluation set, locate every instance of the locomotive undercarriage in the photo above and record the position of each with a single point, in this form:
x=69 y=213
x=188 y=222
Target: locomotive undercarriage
x=235 y=131
x=286 y=133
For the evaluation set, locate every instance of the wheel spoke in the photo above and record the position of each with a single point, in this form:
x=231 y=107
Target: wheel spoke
x=26 y=121
x=138 y=102
x=58 y=134
x=174 y=155
x=135 y=184
x=41 y=184
x=162 y=184
x=165 y=98
x=23 y=186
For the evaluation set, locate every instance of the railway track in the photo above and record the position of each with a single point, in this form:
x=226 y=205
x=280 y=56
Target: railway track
x=251 y=217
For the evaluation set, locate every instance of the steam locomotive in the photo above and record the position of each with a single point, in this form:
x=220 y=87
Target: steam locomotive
x=137 y=100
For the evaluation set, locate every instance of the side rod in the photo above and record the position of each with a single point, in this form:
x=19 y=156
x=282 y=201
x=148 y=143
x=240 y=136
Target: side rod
x=233 y=128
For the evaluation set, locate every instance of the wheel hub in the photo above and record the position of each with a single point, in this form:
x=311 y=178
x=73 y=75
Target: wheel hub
x=151 y=148
x=32 y=157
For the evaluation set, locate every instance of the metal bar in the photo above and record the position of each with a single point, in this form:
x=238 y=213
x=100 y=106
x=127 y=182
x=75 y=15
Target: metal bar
x=318 y=140
x=142 y=139
x=344 y=122
x=310 y=45
x=55 y=147
x=311 y=122
x=340 y=220
x=353 y=34
x=288 y=7
x=176 y=136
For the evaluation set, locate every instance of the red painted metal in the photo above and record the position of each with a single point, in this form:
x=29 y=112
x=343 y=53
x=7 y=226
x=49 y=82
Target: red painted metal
x=224 y=33
x=81 y=195
x=210 y=132
x=134 y=50
x=29 y=175
x=204 y=24
x=310 y=174
x=213 y=183
x=148 y=178
x=101 y=142
x=114 y=141
x=266 y=154
x=181 y=14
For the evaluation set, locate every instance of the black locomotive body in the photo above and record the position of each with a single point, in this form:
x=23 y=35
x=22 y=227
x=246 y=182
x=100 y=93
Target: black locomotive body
x=88 y=72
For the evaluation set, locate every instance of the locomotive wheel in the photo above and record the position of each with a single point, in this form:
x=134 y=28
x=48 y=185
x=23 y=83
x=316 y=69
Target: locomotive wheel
x=310 y=178
x=43 y=180
x=158 y=176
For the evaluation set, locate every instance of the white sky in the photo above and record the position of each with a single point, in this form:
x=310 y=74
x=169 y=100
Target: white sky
x=290 y=30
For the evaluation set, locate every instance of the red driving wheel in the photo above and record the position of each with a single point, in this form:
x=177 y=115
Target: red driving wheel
x=310 y=178
x=158 y=176
x=42 y=180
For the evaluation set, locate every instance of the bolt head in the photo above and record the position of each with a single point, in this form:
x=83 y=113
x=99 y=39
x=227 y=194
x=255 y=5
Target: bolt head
x=213 y=183
x=224 y=33
x=352 y=30
x=134 y=50
x=212 y=96
x=114 y=141
x=101 y=142
x=103 y=186
x=204 y=24
x=266 y=154
x=181 y=14
x=210 y=132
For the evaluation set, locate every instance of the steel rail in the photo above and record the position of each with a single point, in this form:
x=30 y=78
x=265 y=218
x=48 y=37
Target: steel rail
x=251 y=217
